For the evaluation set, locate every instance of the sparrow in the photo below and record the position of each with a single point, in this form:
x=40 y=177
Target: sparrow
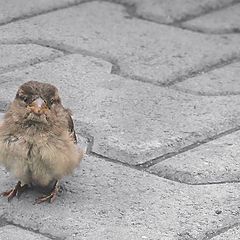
x=37 y=140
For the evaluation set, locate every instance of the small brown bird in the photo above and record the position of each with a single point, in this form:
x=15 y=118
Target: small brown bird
x=37 y=139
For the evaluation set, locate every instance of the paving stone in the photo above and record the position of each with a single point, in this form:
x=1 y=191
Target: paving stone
x=221 y=81
x=11 y=9
x=143 y=49
x=231 y=234
x=176 y=10
x=103 y=200
x=223 y=21
x=129 y=120
x=213 y=162
x=9 y=232
x=16 y=55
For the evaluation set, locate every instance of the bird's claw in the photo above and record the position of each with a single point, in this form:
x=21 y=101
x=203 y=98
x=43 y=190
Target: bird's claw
x=15 y=192
x=51 y=197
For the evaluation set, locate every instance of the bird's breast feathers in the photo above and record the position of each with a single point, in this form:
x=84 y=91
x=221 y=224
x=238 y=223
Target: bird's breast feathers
x=42 y=156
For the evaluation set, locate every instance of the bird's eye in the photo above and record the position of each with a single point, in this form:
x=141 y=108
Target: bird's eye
x=51 y=101
x=23 y=98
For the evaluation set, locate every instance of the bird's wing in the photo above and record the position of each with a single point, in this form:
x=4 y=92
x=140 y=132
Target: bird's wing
x=71 y=126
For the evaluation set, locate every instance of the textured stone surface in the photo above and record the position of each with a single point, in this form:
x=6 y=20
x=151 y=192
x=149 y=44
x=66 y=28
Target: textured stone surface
x=142 y=49
x=11 y=9
x=15 y=233
x=223 y=21
x=103 y=200
x=129 y=120
x=17 y=55
x=221 y=81
x=176 y=10
x=216 y=161
x=231 y=234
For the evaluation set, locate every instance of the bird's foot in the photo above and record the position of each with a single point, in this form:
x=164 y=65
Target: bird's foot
x=15 y=192
x=51 y=197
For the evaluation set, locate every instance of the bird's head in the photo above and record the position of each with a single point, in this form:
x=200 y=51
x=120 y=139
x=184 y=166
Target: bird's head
x=36 y=103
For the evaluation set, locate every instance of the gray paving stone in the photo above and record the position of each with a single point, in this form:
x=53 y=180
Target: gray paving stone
x=221 y=81
x=223 y=21
x=9 y=232
x=176 y=10
x=129 y=120
x=11 y=9
x=144 y=50
x=103 y=200
x=231 y=234
x=16 y=55
x=213 y=162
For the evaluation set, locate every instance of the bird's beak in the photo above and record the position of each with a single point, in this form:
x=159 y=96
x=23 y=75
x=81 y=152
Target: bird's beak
x=38 y=106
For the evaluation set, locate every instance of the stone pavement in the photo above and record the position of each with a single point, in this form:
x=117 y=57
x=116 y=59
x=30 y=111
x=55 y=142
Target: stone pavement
x=154 y=86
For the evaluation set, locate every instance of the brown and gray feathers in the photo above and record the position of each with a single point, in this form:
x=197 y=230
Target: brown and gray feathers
x=37 y=137
x=29 y=91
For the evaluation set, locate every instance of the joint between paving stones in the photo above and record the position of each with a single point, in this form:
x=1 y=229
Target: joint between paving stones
x=205 y=12
x=210 y=235
x=206 y=69
x=24 y=65
x=33 y=61
x=4 y=222
x=145 y=166
x=65 y=49
x=156 y=160
x=139 y=168
x=43 y=12
x=205 y=94
x=194 y=184
x=40 y=42
x=116 y=69
x=94 y=154
x=209 y=32
x=131 y=10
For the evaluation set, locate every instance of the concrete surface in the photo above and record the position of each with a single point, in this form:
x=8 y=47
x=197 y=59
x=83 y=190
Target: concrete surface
x=140 y=49
x=220 y=81
x=154 y=88
x=104 y=200
x=10 y=232
x=20 y=55
x=223 y=21
x=12 y=10
x=230 y=234
x=172 y=11
x=130 y=121
x=215 y=161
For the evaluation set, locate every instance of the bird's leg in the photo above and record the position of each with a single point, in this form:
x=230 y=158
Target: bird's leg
x=16 y=191
x=51 y=197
